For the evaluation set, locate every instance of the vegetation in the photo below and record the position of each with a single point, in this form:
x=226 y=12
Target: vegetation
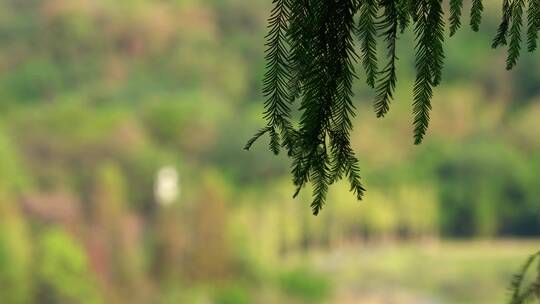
x=520 y=293
x=98 y=96
x=311 y=55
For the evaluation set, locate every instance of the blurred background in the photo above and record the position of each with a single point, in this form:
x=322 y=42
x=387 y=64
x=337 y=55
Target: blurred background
x=123 y=179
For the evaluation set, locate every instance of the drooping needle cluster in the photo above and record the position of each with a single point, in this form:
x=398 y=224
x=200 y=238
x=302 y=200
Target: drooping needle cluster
x=311 y=58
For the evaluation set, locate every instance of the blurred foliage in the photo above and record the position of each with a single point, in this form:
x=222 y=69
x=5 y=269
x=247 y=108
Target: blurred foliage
x=305 y=285
x=232 y=295
x=63 y=271
x=15 y=256
x=96 y=96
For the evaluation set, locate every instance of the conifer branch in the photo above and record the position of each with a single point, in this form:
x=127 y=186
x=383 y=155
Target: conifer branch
x=476 y=14
x=514 y=46
x=276 y=78
x=311 y=57
x=533 y=24
x=520 y=295
x=367 y=34
x=429 y=32
x=502 y=30
x=404 y=14
x=456 y=7
x=387 y=84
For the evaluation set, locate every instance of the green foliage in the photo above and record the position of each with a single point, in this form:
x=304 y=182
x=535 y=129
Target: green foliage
x=232 y=295
x=514 y=46
x=15 y=246
x=368 y=38
x=389 y=24
x=15 y=264
x=95 y=99
x=456 y=7
x=310 y=57
x=521 y=291
x=63 y=270
x=478 y=181
x=533 y=24
x=306 y=285
x=13 y=179
x=33 y=80
x=109 y=195
x=320 y=149
x=476 y=14
x=429 y=32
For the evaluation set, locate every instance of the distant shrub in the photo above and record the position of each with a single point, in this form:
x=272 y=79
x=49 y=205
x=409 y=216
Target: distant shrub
x=64 y=272
x=305 y=285
x=32 y=81
x=14 y=260
x=232 y=295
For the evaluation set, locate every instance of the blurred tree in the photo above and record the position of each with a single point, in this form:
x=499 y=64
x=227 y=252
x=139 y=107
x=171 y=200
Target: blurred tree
x=232 y=295
x=15 y=243
x=209 y=252
x=109 y=201
x=479 y=180
x=115 y=234
x=15 y=254
x=63 y=271
x=305 y=285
